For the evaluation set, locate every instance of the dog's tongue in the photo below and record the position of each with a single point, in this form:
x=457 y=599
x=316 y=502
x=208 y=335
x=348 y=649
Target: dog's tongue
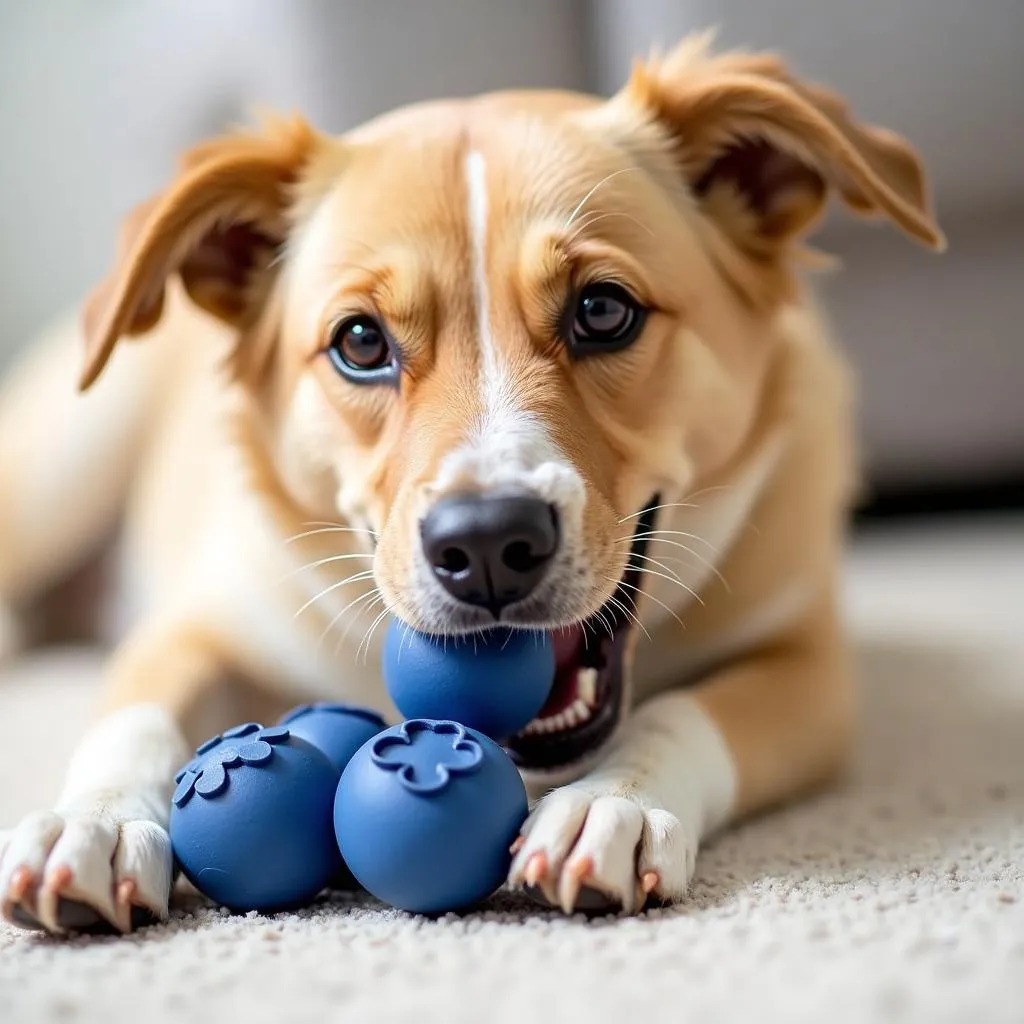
x=568 y=645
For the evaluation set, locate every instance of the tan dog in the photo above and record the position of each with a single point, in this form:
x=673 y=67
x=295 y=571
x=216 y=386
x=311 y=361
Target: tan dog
x=532 y=357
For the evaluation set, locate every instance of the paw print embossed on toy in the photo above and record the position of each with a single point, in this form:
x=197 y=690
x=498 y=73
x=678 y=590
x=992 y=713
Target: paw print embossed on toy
x=422 y=814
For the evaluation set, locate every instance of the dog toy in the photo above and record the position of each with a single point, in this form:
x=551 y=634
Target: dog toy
x=494 y=682
x=337 y=730
x=425 y=813
x=251 y=819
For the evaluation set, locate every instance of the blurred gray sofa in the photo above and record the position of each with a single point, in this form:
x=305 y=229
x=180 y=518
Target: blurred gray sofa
x=95 y=100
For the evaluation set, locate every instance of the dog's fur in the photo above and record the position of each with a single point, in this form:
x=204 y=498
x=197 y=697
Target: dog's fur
x=270 y=508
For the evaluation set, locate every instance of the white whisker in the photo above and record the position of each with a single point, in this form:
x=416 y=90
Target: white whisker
x=647 y=558
x=606 y=623
x=709 y=490
x=406 y=630
x=369 y=635
x=379 y=599
x=351 y=604
x=655 y=508
x=671 y=533
x=367 y=574
x=702 y=559
x=643 y=593
x=597 y=215
x=678 y=582
x=636 y=554
x=628 y=612
x=322 y=561
x=680 y=561
x=603 y=181
x=340 y=526
x=329 y=528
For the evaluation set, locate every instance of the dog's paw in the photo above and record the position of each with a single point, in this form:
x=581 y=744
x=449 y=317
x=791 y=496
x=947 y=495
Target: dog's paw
x=593 y=851
x=84 y=872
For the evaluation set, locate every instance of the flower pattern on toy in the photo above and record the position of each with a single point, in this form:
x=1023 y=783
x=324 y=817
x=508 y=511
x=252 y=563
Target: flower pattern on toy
x=426 y=754
x=245 y=729
x=207 y=773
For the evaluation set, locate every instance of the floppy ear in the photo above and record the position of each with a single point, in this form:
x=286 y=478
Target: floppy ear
x=218 y=226
x=761 y=150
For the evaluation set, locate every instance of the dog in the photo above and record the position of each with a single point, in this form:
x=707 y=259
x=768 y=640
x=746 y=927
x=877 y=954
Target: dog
x=533 y=358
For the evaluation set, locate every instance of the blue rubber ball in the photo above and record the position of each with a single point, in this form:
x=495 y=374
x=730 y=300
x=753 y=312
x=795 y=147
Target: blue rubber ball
x=337 y=730
x=425 y=814
x=494 y=682
x=251 y=819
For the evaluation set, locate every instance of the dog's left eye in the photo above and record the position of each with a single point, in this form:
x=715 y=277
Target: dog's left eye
x=606 y=317
x=361 y=352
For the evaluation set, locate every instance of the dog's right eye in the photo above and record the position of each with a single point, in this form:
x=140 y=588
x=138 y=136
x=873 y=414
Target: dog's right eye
x=361 y=352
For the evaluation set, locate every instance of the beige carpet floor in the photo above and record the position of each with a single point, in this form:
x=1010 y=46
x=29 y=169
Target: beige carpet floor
x=898 y=897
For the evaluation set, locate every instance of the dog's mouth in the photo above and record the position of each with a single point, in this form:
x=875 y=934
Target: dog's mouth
x=587 y=700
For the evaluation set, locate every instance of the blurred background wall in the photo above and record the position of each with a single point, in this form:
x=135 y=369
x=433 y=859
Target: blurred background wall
x=96 y=100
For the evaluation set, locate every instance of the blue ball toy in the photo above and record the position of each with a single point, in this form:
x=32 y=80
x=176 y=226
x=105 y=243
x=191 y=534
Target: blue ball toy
x=425 y=814
x=494 y=682
x=251 y=819
x=337 y=730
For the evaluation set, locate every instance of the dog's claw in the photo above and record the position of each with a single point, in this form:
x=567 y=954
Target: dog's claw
x=517 y=845
x=21 y=881
x=649 y=882
x=19 y=901
x=571 y=882
x=124 y=898
x=48 y=898
x=537 y=874
x=59 y=879
x=535 y=870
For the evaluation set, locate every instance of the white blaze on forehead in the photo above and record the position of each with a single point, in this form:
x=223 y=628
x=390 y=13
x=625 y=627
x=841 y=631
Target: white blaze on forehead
x=492 y=378
x=508 y=445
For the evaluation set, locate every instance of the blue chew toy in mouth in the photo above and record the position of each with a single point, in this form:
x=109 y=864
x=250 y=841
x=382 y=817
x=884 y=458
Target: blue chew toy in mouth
x=425 y=814
x=337 y=730
x=251 y=819
x=494 y=682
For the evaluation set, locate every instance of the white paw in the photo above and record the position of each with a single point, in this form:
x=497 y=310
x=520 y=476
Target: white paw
x=615 y=846
x=77 y=872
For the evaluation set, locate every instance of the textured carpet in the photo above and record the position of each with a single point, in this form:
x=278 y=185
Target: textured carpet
x=899 y=896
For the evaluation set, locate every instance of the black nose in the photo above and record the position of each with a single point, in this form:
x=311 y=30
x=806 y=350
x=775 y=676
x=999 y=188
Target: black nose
x=490 y=551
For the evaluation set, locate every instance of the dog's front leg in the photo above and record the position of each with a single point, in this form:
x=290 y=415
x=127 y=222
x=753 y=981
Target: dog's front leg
x=102 y=856
x=774 y=723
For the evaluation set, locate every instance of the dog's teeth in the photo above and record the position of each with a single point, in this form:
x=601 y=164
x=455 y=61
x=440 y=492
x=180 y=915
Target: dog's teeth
x=578 y=712
x=586 y=686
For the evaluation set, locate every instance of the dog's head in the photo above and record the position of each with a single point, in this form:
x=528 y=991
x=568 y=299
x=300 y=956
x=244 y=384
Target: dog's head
x=498 y=332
